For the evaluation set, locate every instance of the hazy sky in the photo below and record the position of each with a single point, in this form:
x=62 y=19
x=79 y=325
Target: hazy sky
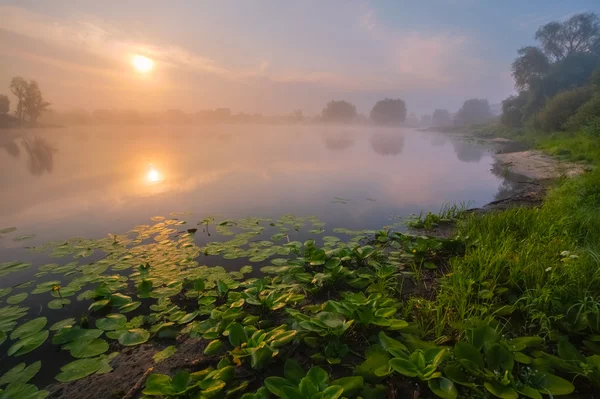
x=270 y=56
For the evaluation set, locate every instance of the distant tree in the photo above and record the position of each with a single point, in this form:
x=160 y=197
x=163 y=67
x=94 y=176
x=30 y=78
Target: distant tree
x=389 y=112
x=441 y=117
x=339 y=111
x=222 y=114
x=18 y=87
x=4 y=104
x=412 y=120
x=425 y=121
x=34 y=102
x=579 y=34
x=473 y=111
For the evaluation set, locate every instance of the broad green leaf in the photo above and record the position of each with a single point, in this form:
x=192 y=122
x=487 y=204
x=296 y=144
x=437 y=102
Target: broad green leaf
x=350 y=385
x=164 y=354
x=404 y=367
x=275 y=385
x=457 y=375
x=319 y=377
x=18 y=298
x=237 y=335
x=464 y=350
x=29 y=343
x=114 y=321
x=134 y=337
x=501 y=391
x=84 y=348
x=293 y=371
x=213 y=347
x=20 y=374
x=79 y=369
x=443 y=388
x=332 y=392
x=500 y=358
x=29 y=328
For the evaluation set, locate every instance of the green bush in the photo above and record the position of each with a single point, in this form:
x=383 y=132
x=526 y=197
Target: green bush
x=592 y=128
x=561 y=107
x=585 y=113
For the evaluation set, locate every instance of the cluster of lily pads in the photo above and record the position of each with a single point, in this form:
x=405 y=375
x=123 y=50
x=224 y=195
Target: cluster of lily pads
x=325 y=317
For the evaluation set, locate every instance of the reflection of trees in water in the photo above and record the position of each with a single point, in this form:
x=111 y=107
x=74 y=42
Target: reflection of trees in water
x=40 y=155
x=438 y=140
x=467 y=152
x=512 y=183
x=338 y=141
x=387 y=143
x=11 y=148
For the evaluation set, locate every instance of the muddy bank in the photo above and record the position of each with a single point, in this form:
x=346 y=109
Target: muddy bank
x=130 y=370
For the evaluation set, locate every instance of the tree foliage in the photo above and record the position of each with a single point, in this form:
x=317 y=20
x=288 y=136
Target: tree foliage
x=474 y=111
x=512 y=109
x=567 y=55
x=441 y=117
x=4 y=104
x=339 y=111
x=30 y=101
x=580 y=34
x=561 y=107
x=389 y=112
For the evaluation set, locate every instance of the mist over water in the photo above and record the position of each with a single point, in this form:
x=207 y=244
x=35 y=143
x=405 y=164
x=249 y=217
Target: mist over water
x=93 y=180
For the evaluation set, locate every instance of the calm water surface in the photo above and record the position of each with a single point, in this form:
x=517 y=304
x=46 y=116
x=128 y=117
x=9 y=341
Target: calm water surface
x=60 y=183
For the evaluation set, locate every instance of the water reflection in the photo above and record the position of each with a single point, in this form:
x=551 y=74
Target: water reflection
x=467 y=152
x=40 y=155
x=9 y=144
x=338 y=141
x=387 y=143
x=438 y=140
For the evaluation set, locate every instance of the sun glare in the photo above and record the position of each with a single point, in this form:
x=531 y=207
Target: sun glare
x=142 y=64
x=153 y=176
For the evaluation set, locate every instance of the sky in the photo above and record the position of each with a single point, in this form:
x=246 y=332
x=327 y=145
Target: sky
x=270 y=57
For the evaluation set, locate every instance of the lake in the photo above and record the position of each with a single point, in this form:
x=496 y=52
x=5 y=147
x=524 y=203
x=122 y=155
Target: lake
x=91 y=181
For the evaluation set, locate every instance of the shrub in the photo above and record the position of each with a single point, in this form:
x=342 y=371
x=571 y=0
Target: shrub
x=585 y=114
x=592 y=128
x=561 y=107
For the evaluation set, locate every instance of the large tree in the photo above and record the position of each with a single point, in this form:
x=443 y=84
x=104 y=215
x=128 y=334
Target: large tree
x=4 y=104
x=18 y=87
x=389 y=112
x=474 y=111
x=579 y=34
x=339 y=111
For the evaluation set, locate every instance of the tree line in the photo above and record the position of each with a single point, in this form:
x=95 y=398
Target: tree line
x=557 y=81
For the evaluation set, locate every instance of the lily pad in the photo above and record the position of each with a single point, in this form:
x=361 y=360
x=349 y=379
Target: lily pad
x=29 y=343
x=111 y=322
x=29 y=328
x=70 y=322
x=134 y=337
x=20 y=374
x=7 y=230
x=58 y=303
x=130 y=307
x=164 y=354
x=84 y=348
x=18 y=298
x=79 y=369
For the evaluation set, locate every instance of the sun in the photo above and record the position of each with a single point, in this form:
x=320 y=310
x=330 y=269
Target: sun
x=153 y=175
x=142 y=64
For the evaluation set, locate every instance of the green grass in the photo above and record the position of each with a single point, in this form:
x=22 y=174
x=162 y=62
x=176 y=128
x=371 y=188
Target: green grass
x=537 y=269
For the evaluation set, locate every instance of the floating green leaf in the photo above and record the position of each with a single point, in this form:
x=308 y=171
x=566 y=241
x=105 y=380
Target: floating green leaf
x=134 y=337
x=29 y=328
x=164 y=354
